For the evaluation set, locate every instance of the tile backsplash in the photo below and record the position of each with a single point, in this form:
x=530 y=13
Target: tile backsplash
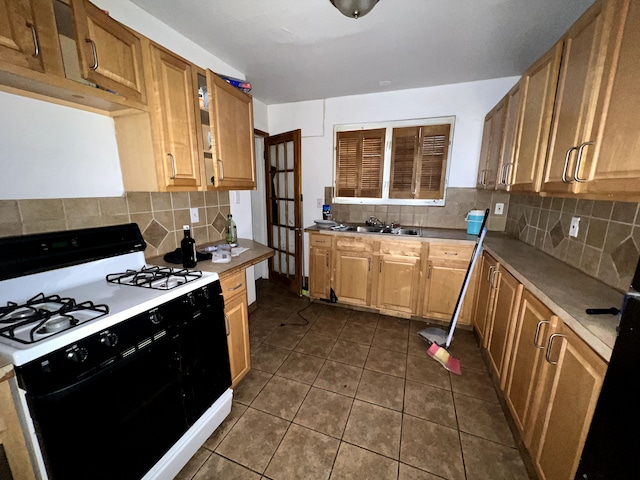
x=458 y=202
x=160 y=216
x=608 y=243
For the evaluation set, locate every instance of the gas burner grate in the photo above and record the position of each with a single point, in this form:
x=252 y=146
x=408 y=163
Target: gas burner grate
x=43 y=316
x=159 y=278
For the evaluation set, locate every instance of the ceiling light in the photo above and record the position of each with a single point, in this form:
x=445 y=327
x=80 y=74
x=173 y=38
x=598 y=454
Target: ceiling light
x=354 y=8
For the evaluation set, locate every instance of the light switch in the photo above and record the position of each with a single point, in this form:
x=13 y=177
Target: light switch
x=195 y=215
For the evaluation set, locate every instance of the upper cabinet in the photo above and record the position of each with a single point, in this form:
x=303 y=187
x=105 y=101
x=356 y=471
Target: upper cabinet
x=110 y=54
x=509 y=139
x=492 y=146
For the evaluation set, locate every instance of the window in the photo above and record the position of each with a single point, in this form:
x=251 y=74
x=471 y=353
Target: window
x=396 y=163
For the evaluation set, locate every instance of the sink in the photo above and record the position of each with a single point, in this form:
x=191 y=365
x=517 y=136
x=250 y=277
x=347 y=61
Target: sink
x=406 y=231
x=383 y=230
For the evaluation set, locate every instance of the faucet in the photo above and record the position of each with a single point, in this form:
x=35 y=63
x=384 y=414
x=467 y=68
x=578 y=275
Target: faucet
x=374 y=222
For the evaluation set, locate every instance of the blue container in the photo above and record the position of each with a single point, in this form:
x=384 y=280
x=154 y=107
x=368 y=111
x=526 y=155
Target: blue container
x=474 y=221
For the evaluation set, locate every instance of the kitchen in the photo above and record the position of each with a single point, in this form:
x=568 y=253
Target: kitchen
x=53 y=129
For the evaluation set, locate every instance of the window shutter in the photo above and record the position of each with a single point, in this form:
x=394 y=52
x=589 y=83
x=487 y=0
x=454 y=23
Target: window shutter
x=432 y=162
x=347 y=168
x=359 y=159
x=403 y=159
x=372 y=158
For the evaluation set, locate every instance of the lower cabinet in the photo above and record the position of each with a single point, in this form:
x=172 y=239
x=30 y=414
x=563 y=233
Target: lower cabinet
x=320 y=266
x=486 y=295
x=398 y=278
x=353 y=270
x=236 y=312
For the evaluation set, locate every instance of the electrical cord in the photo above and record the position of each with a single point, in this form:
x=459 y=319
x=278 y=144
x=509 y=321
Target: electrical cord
x=299 y=312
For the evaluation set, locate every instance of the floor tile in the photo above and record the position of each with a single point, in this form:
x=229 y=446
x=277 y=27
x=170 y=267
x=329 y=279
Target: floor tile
x=324 y=411
x=395 y=324
x=285 y=337
x=427 y=370
x=485 y=459
x=381 y=389
x=408 y=472
x=374 y=428
x=390 y=340
x=193 y=465
x=314 y=344
x=338 y=312
x=350 y=353
x=354 y=332
x=281 y=397
x=237 y=409
x=253 y=439
x=268 y=358
x=430 y=403
x=250 y=386
x=387 y=361
x=303 y=453
x=328 y=326
x=339 y=378
x=301 y=367
x=483 y=419
x=364 y=319
x=474 y=383
x=357 y=463
x=417 y=345
x=219 y=467
x=431 y=447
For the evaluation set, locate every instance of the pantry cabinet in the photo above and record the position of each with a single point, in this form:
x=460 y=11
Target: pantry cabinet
x=320 y=266
x=398 y=276
x=110 y=54
x=487 y=267
x=236 y=312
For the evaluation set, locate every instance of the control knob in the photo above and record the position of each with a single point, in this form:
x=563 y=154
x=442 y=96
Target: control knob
x=108 y=339
x=155 y=316
x=77 y=354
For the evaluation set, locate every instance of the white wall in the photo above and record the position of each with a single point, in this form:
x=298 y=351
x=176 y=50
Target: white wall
x=469 y=102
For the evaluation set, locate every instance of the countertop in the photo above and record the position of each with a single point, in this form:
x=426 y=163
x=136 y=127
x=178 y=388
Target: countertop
x=563 y=289
x=257 y=253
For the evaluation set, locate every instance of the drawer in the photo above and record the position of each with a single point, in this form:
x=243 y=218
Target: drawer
x=354 y=244
x=405 y=249
x=450 y=252
x=316 y=240
x=233 y=285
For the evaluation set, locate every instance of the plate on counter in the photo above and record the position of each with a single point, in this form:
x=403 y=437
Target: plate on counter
x=326 y=224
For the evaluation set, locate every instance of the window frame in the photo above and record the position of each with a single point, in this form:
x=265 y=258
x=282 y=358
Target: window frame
x=386 y=165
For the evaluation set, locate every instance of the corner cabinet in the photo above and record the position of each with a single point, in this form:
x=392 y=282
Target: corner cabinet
x=236 y=312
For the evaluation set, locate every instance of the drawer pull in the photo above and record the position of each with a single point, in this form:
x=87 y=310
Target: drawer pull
x=451 y=253
x=535 y=338
x=236 y=287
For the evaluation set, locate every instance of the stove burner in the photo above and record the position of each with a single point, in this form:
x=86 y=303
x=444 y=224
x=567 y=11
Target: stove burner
x=55 y=324
x=19 y=313
x=158 y=278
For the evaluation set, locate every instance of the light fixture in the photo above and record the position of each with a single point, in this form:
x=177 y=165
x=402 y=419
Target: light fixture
x=354 y=8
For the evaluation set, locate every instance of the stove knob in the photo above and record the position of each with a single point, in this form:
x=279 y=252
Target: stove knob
x=205 y=292
x=155 y=316
x=192 y=299
x=108 y=339
x=77 y=354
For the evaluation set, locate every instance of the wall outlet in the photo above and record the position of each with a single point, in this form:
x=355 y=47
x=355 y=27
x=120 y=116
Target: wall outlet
x=574 y=227
x=195 y=215
x=499 y=208
x=319 y=205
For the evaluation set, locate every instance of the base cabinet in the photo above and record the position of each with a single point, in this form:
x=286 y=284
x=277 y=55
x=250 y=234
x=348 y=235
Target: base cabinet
x=320 y=265
x=398 y=278
x=486 y=295
x=353 y=277
x=236 y=314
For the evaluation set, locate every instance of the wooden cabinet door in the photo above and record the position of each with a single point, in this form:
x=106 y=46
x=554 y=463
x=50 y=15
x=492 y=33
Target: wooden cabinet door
x=176 y=117
x=572 y=385
x=486 y=295
x=484 y=153
x=398 y=279
x=580 y=77
x=19 y=41
x=237 y=318
x=500 y=329
x=231 y=114
x=535 y=322
x=444 y=282
x=495 y=148
x=353 y=277
x=110 y=54
x=510 y=137
x=320 y=272
x=538 y=94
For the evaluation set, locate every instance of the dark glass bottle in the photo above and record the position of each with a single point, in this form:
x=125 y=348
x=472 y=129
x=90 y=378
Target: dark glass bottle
x=188 y=246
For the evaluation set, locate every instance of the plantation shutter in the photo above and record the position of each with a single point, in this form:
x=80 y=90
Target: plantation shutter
x=419 y=162
x=359 y=159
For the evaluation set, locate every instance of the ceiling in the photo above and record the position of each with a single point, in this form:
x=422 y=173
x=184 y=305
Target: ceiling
x=293 y=50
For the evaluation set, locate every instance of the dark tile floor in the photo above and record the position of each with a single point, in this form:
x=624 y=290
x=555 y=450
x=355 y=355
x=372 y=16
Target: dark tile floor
x=353 y=395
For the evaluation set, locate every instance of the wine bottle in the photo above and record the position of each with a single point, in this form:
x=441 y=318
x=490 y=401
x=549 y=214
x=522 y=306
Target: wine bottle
x=232 y=231
x=188 y=246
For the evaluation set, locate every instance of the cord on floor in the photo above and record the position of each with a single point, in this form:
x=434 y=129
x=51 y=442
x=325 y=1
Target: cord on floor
x=306 y=321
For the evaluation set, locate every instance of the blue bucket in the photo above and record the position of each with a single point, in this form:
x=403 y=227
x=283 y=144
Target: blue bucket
x=474 y=221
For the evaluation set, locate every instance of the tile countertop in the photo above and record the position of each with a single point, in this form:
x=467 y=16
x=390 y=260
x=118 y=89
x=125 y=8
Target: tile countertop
x=257 y=253
x=564 y=289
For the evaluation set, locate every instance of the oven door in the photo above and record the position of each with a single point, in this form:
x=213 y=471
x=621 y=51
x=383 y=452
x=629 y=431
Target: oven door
x=117 y=422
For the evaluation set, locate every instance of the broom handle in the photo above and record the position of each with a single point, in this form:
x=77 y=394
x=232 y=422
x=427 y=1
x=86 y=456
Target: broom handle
x=474 y=256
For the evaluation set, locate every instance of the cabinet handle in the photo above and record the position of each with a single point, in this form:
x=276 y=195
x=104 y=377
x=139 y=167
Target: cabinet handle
x=327 y=256
x=579 y=162
x=429 y=272
x=535 y=338
x=369 y=264
x=547 y=355
x=173 y=165
x=34 y=36
x=94 y=50
x=491 y=282
x=236 y=287
x=502 y=180
x=226 y=324
x=507 y=183
x=566 y=165
x=451 y=253
x=380 y=266
x=491 y=269
x=221 y=169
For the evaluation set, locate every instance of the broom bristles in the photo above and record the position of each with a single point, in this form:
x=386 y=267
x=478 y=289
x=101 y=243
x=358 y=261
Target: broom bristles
x=447 y=360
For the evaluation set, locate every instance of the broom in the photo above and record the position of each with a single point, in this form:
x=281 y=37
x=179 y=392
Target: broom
x=441 y=340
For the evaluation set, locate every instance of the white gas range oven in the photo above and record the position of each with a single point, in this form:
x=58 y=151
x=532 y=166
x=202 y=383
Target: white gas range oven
x=122 y=369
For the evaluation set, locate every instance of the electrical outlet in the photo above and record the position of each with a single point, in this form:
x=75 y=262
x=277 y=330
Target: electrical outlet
x=499 y=208
x=319 y=205
x=195 y=215
x=574 y=227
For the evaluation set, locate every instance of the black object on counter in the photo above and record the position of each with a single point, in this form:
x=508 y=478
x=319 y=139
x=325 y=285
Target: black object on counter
x=175 y=257
x=188 y=245
x=603 y=311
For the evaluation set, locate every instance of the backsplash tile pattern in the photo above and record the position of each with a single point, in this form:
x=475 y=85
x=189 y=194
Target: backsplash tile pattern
x=160 y=216
x=608 y=243
x=458 y=202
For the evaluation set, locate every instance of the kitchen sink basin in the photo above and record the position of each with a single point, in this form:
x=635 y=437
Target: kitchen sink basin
x=384 y=230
